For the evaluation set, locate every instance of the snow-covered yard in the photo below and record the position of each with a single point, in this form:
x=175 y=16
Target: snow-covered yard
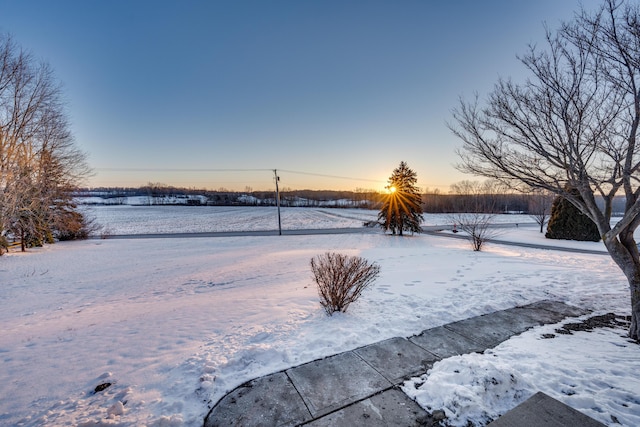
x=174 y=324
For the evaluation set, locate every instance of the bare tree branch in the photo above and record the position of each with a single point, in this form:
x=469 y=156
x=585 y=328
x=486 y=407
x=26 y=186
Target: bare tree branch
x=39 y=162
x=574 y=123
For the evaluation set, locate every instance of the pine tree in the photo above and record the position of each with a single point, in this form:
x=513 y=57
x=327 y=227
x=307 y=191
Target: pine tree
x=402 y=208
x=568 y=223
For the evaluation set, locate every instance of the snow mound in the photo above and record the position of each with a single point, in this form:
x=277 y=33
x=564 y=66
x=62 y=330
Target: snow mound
x=592 y=372
x=475 y=389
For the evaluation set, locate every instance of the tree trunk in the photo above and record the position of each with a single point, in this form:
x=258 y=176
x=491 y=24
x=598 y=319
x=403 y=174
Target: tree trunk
x=634 y=329
x=625 y=255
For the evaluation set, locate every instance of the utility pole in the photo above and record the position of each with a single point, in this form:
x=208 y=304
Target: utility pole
x=275 y=172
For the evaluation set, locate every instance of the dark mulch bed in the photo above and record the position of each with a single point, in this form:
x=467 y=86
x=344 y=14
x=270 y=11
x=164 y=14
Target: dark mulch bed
x=609 y=320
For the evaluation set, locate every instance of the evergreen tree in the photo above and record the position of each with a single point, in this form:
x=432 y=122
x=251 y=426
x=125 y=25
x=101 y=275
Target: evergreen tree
x=402 y=208
x=568 y=223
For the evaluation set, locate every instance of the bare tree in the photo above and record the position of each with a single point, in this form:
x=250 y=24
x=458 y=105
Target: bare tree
x=23 y=210
x=475 y=210
x=39 y=162
x=540 y=207
x=477 y=227
x=573 y=122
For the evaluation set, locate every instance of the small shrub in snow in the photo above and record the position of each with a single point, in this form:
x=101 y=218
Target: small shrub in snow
x=341 y=279
x=477 y=227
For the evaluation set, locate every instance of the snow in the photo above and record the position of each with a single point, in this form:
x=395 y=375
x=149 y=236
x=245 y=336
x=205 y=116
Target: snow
x=126 y=219
x=174 y=324
x=589 y=371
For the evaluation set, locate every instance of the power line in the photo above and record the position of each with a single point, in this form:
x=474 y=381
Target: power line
x=114 y=169
x=178 y=170
x=111 y=169
x=330 y=176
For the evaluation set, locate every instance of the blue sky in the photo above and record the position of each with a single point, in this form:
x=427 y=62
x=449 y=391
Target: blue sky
x=180 y=92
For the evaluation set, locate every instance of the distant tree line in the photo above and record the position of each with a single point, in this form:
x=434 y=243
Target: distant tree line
x=462 y=197
x=360 y=198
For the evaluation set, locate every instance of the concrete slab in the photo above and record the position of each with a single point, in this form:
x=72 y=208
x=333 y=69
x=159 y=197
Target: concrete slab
x=488 y=330
x=519 y=321
x=542 y=316
x=389 y=408
x=331 y=383
x=541 y=410
x=445 y=343
x=397 y=359
x=356 y=387
x=559 y=307
x=266 y=401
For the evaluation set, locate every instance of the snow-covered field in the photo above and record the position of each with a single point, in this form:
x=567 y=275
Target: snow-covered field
x=174 y=324
x=196 y=219
x=124 y=219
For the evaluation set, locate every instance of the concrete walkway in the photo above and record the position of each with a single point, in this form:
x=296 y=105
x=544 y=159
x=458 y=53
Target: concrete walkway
x=541 y=410
x=360 y=387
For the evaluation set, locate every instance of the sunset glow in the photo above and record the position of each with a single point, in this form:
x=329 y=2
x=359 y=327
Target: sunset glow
x=322 y=88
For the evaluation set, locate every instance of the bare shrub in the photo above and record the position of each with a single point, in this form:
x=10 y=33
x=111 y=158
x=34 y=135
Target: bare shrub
x=477 y=226
x=341 y=279
x=74 y=225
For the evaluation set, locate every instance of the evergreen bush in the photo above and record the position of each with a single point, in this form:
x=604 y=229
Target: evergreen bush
x=568 y=223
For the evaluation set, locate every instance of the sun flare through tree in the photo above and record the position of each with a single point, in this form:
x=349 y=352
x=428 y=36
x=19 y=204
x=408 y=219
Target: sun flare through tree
x=402 y=208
